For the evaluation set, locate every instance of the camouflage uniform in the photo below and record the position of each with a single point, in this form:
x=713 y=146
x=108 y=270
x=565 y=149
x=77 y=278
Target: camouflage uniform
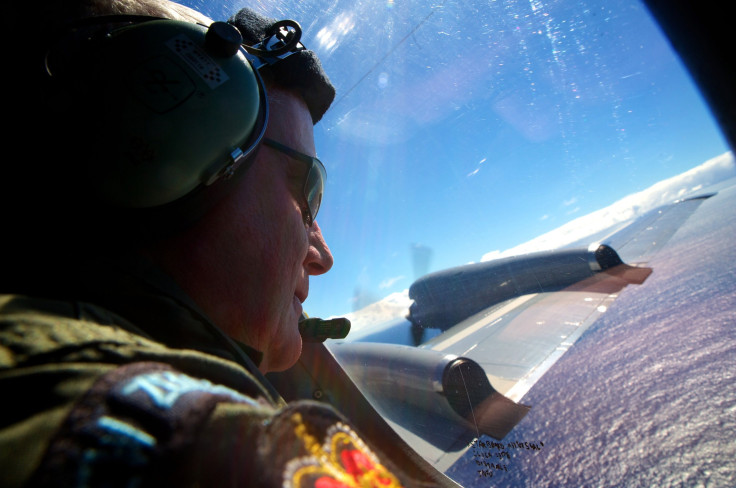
x=154 y=395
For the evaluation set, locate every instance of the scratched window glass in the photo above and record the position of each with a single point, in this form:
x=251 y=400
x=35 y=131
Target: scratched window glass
x=530 y=207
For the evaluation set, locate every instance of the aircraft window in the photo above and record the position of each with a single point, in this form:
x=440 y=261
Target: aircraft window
x=537 y=186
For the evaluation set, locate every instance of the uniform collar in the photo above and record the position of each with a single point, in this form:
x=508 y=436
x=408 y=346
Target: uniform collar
x=136 y=289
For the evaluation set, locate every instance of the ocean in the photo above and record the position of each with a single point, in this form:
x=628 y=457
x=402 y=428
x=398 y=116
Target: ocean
x=647 y=396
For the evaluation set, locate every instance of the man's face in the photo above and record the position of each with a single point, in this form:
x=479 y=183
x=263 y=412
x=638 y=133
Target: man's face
x=247 y=263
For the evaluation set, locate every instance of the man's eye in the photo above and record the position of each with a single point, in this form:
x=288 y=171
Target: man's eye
x=306 y=218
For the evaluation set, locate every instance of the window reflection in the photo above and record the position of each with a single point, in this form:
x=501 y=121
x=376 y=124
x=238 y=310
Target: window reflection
x=475 y=131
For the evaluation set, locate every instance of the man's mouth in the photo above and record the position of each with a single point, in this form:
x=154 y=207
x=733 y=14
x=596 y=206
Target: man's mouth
x=301 y=293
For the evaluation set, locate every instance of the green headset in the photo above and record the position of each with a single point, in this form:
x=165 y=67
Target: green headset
x=167 y=109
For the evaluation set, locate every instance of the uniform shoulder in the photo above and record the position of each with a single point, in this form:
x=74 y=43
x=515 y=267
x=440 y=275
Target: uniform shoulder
x=31 y=327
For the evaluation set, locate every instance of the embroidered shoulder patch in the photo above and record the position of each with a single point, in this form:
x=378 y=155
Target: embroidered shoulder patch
x=342 y=460
x=132 y=427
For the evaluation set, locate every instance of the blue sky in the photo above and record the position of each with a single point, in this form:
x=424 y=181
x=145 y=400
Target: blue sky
x=469 y=127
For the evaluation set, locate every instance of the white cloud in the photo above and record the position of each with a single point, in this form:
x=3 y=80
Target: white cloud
x=394 y=305
x=491 y=255
x=631 y=206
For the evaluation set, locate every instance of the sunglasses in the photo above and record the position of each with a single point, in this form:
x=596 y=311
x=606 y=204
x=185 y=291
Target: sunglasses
x=314 y=185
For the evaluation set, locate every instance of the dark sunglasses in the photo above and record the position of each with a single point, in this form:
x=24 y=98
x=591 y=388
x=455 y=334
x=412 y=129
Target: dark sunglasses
x=314 y=185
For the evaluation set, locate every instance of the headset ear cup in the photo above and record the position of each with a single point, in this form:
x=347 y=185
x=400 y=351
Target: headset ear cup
x=156 y=112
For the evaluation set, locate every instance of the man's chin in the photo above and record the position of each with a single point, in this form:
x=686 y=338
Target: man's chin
x=283 y=358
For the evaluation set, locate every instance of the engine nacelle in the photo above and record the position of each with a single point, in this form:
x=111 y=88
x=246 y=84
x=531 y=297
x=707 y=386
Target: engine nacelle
x=444 y=298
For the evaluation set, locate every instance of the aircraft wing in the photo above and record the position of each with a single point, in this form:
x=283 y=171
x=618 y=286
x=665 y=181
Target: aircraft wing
x=477 y=338
x=517 y=341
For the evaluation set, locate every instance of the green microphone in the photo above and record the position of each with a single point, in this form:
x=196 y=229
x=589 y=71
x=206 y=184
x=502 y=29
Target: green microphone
x=317 y=330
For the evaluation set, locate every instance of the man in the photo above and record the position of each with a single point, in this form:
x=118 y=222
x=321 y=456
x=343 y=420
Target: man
x=250 y=260
x=133 y=340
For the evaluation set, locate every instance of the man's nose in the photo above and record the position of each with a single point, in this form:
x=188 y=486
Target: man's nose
x=319 y=259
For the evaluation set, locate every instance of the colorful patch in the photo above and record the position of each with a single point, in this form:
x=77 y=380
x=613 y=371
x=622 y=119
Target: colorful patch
x=341 y=461
x=134 y=426
x=165 y=388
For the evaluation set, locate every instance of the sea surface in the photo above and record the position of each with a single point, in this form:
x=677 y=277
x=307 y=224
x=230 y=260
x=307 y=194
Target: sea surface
x=647 y=397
